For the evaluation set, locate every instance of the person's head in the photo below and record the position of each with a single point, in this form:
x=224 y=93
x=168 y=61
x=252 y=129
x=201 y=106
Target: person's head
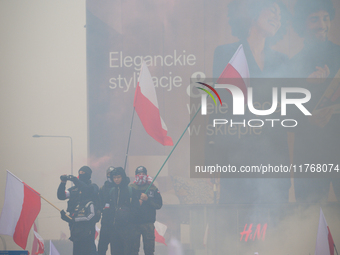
x=141 y=170
x=312 y=19
x=267 y=17
x=85 y=174
x=108 y=172
x=118 y=175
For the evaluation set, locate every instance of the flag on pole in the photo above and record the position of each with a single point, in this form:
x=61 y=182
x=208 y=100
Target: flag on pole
x=53 y=250
x=97 y=233
x=146 y=106
x=40 y=244
x=237 y=69
x=324 y=240
x=160 y=229
x=21 y=207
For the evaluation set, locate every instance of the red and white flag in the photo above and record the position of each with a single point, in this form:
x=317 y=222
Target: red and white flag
x=21 y=207
x=237 y=70
x=40 y=243
x=324 y=240
x=146 y=106
x=97 y=233
x=160 y=229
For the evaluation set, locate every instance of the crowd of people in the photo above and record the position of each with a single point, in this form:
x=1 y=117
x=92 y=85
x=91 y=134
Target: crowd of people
x=127 y=211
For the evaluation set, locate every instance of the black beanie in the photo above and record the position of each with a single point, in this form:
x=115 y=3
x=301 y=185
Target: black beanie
x=117 y=171
x=141 y=169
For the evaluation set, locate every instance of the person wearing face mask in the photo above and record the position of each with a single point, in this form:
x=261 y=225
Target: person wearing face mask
x=120 y=198
x=106 y=221
x=82 y=221
x=73 y=194
x=144 y=205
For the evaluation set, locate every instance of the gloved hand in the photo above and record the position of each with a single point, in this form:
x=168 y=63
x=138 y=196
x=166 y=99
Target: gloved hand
x=64 y=217
x=72 y=178
x=63 y=178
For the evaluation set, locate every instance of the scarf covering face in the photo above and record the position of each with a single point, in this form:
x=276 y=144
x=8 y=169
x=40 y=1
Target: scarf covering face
x=142 y=179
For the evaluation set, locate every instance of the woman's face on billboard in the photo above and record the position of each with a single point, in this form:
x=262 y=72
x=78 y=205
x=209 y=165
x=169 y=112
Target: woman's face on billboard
x=269 y=20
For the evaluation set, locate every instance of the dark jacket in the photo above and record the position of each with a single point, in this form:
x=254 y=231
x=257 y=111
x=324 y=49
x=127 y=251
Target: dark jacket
x=104 y=195
x=84 y=221
x=145 y=213
x=120 y=199
x=73 y=195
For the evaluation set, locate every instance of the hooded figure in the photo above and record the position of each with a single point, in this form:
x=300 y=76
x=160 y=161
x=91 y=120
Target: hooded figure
x=107 y=219
x=120 y=197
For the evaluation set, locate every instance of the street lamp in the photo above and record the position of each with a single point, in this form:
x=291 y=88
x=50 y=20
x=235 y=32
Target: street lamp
x=61 y=136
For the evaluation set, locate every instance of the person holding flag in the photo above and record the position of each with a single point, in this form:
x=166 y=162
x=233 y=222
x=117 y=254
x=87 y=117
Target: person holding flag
x=146 y=200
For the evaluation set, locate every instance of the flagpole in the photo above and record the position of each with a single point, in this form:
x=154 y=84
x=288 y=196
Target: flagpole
x=127 y=150
x=54 y=206
x=173 y=149
x=335 y=249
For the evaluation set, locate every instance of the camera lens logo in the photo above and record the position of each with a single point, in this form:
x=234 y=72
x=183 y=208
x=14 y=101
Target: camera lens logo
x=204 y=97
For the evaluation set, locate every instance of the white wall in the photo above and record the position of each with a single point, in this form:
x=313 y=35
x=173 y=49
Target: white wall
x=42 y=91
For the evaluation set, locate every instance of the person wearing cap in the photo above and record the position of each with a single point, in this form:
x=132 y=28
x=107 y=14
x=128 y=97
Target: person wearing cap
x=106 y=221
x=119 y=204
x=73 y=194
x=144 y=205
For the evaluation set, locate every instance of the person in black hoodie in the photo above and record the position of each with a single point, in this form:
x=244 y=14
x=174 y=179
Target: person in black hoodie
x=107 y=220
x=120 y=198
x=144 y=205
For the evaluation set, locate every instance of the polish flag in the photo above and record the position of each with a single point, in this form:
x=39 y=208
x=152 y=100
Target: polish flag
x=146 y=106
x=236 y=71
x=160 y=229
x=97 y=233
x=324 y=240
x=40 y=243
x=21 y=207
x=53 y=250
